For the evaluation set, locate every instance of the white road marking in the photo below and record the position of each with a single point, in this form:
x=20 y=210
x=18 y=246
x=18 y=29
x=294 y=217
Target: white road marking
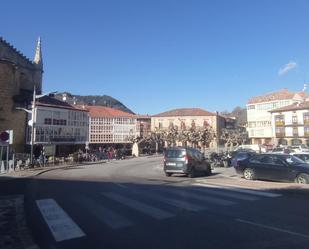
x=273 y=228
x=139 y=206
x=226 y=194
x=237 y=189
x=201 y=197
x=107 y=216
x=181 y=204
x=58 y=221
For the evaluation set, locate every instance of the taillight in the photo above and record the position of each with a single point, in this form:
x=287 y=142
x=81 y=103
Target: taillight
x=186 y=159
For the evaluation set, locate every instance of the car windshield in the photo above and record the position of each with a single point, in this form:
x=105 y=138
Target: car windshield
x=293 y=160
x=175 y=153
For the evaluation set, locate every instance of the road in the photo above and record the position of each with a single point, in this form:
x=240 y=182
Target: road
x=131 y=204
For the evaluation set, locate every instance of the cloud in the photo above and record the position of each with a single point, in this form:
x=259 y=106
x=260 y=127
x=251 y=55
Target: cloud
x=287 y=67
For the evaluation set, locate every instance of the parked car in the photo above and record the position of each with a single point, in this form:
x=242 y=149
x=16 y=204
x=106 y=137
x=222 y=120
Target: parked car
x=184 y=160
x=303 y=156
x=240 y=156
x=279 y=167
x=299 y=148
x=282 y=150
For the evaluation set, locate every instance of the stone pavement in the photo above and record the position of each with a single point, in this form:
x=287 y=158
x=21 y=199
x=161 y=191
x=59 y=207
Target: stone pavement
x=13 y=228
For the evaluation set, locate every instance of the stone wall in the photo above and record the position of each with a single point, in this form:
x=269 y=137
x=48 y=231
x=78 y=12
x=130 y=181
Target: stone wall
x=18 y=76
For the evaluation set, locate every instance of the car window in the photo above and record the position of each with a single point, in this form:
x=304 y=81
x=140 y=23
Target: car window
x=272 y=159
x=175 y=153
x=197 y=154
x=256 y=159
x=293 y=160
x=242 y=156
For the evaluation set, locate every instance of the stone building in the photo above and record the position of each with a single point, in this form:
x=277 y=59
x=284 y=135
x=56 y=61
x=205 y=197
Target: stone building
x=18 y=77
x=186 y=117
x=143 y=125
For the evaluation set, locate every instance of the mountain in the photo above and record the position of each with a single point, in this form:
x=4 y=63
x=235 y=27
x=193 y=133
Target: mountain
x=102 y=100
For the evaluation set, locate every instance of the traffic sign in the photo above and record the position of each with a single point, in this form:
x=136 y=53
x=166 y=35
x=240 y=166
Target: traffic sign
x=4 y=136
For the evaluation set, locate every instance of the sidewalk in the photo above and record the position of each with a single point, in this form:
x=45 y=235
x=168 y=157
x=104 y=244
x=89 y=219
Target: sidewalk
x=40 y=170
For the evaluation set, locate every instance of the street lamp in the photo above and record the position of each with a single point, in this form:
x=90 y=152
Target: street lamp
x=33 y=117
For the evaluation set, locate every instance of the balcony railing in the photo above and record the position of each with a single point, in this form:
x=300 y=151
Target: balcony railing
x=279 y=123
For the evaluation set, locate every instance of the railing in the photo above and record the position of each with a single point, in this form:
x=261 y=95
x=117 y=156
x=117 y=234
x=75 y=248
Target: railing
x=279 y=123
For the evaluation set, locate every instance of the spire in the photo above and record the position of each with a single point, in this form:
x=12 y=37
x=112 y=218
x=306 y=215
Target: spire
x=38 y=54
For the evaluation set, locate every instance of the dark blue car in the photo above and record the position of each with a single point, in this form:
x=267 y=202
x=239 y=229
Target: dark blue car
x=279 y=167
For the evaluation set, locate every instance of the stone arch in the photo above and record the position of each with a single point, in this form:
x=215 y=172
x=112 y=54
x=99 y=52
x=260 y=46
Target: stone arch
x=282 y=141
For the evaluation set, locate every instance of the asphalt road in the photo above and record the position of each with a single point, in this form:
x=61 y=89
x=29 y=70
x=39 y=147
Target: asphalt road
x=131 y=204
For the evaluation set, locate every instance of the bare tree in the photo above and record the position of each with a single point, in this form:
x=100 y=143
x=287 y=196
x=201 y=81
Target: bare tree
x=234 y=137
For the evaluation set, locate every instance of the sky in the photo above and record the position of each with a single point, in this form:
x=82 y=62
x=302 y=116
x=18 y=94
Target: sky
x=157 y=55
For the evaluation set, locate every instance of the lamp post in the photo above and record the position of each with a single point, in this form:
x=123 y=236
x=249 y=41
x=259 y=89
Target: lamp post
x=33 y=119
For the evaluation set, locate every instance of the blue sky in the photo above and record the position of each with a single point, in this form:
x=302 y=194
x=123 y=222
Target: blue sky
x=164 y=54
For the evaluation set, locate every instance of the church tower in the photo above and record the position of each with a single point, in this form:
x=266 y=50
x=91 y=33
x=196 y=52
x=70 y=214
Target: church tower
x=38 y=62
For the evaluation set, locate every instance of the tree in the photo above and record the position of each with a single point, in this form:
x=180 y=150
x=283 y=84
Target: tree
x=234 y=137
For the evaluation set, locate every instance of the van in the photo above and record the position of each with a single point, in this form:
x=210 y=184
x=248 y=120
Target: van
x=184 y=160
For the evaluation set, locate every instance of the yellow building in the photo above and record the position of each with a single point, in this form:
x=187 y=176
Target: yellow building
x=186 y=117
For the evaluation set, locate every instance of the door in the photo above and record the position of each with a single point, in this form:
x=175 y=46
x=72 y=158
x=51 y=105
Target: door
x=273 y=168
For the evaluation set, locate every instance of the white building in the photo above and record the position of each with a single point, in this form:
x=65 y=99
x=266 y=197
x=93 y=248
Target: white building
x=59 y=123
x=291 y=124
x=259 y=118
x=110 y=126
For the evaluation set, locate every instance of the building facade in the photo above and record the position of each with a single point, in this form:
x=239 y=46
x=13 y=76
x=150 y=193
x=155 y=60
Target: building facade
x=290 y=124
x=143 y=127
x=60 y=124
x=108 y=126
x=259 y=118
x=187 y=117
x=18 y=78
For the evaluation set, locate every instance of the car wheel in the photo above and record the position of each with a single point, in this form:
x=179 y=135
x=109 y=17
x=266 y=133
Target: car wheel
x=192 y=173
x=208 y=171
x=302 y=179
x=249 y=174
x=168 y=174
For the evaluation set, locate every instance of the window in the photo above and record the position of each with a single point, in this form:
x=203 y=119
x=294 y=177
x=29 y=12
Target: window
x=295 y=131
x=47 y=121
x=279 y=120
x=250 y=107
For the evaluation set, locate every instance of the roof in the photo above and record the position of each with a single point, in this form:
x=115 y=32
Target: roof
x=185 y=112
x=49 y=101
x=279 y=95
x=103 y=111
x=139 y=116
x=293 y=107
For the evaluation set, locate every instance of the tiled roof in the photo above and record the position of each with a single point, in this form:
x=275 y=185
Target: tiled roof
x=279 y=95
x=293 y=107
x=185 y=112
x=56 y=103
x=103 y=111
x=139 y=116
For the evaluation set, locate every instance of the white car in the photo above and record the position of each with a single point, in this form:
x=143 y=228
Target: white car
x=300 y=148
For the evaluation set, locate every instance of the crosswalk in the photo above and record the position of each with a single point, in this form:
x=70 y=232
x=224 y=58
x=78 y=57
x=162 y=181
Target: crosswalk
x=123 y=207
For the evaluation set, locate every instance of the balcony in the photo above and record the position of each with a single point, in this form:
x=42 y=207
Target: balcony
x=280 y=134
x=279 y=123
